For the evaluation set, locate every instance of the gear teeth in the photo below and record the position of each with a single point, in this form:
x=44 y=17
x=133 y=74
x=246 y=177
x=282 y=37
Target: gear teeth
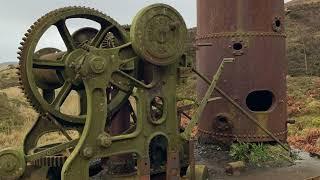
x=33 y=32
x=20 y=48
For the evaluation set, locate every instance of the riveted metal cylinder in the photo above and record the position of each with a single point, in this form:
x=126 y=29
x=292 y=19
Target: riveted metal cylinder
x=252 y=32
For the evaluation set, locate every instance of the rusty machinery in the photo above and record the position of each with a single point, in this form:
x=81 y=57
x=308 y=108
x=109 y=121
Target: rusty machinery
x=126 y=82
x=253 y=107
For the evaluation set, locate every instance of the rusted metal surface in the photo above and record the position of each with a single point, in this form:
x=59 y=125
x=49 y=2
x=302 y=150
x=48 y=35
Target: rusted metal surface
x=144 y=169
x=173 y=166
x=120 y=164
x=252 y=32
x=192 y=161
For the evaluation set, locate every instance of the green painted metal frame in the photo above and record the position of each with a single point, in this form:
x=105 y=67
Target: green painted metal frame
x=97 y=68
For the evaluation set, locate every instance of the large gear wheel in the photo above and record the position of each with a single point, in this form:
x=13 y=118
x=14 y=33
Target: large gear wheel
x=34 y=71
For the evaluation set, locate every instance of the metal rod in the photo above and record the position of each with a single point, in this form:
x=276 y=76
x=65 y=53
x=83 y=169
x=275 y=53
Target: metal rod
x=186 y=115
x=195 y=118
x=204 y=44
x=242 y=110
x=140 y=83
x=63 y=131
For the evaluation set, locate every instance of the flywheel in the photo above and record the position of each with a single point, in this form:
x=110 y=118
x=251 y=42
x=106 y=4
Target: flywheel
x=47 y=80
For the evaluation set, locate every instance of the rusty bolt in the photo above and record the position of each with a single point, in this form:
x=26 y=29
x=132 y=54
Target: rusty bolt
x=104 y=140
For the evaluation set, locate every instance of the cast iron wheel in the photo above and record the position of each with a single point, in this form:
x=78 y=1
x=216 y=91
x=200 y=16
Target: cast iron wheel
x=46 y=100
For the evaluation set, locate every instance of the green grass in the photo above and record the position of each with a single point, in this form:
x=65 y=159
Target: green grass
x=303 y=103
x=260 y=155
x=304 y=122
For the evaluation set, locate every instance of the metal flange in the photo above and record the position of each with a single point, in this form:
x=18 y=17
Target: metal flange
x=12 y=163
x=158 y=34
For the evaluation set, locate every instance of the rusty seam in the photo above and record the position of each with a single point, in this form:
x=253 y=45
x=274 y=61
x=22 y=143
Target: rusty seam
x=237 y=34
x=240 y=136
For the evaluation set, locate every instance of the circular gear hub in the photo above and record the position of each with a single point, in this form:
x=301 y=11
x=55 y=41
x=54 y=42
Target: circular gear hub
x=12 y=163
x=158 y=34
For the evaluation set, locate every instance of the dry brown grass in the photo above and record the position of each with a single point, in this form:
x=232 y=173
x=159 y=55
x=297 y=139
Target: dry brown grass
x=71 y=105
x=14 y=92
x=56 y=137
x=299 y=2
x=13 y=135
x=307 y=141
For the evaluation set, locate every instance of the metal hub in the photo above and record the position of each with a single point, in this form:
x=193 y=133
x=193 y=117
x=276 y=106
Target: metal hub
x=158 y=34
x=73 y=65
x=12 y=163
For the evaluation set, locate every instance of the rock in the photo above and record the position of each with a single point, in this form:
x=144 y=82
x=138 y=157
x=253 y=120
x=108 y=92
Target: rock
x=234 y=168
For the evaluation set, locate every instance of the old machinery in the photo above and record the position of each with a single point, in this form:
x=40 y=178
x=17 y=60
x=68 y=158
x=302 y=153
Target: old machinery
x=126 y=83
x=253 y=89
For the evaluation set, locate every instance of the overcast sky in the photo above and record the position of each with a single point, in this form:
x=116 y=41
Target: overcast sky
x=17 y=15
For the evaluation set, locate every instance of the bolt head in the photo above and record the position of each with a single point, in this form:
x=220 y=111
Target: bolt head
x=105 y=140
x=97 y=64
x=88 y=152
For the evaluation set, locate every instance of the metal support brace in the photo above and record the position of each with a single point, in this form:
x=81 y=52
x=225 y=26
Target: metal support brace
x=242 y=110
x=194 y=121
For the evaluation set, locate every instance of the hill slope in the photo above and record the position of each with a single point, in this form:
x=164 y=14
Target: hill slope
x=300 y=2
x=303 y=37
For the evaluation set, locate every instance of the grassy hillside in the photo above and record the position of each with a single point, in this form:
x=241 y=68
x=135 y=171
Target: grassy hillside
x=17 y=116
x=300 y=2
x=303 y=38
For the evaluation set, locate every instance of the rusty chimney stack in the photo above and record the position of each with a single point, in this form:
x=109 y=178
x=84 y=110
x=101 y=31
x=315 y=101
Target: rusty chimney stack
x=251 y=31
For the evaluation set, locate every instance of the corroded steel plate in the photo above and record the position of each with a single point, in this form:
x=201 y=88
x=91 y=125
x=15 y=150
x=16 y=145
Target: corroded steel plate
x=158 y=34
x=252 y=32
